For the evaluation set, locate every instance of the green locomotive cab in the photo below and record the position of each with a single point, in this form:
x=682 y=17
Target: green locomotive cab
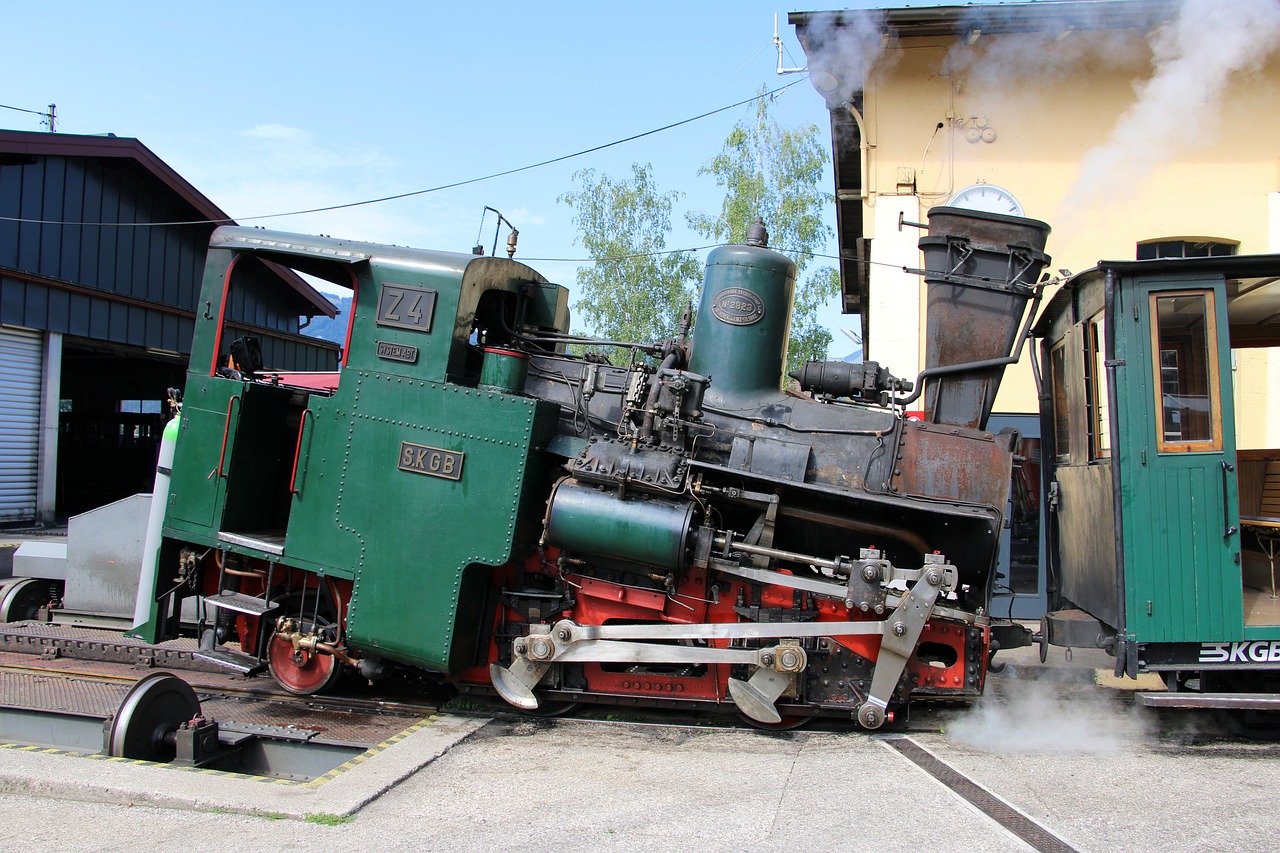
x=1161 y=530
x=295 y=490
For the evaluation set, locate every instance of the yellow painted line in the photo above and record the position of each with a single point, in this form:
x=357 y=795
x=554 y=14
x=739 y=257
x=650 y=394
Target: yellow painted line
x=371 y=752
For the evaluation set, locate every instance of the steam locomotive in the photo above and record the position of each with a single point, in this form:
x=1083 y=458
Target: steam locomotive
x=468 y=497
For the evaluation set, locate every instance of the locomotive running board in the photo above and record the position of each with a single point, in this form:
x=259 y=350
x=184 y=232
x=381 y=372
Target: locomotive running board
x=1235 y=701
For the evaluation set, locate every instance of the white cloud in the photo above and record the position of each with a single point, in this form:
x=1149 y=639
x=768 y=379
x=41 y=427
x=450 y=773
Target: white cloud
x=278 y=131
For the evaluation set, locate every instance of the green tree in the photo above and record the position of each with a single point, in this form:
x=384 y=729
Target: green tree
x=774 y=173
x=636 y=290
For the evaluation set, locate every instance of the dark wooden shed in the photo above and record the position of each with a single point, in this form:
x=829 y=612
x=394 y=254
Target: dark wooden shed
x=102 y=247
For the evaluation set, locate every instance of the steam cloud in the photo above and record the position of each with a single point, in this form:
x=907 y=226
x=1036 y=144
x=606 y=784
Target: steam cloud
x=1037 y=718
x=1193 y=59
x=844 y=49
x=1177 y=107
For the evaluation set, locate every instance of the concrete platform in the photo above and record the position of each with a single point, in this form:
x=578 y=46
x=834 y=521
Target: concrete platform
x=1077 y=758
x=572 y=785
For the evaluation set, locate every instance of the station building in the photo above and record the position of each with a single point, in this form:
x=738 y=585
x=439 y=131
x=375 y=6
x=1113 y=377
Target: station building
x=1135 y=128
x=102 y=249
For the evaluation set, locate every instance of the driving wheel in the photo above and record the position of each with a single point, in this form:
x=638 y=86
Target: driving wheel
x=151 y=711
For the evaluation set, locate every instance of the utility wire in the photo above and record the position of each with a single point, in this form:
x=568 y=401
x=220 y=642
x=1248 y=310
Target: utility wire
x=614 y=258
x=695 y=249
x=411 y=193
x=44 y=113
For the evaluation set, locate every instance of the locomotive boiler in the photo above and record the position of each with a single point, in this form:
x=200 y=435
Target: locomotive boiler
x=470 y=497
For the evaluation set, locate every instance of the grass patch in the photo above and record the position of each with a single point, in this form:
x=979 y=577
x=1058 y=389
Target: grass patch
x=329 y=819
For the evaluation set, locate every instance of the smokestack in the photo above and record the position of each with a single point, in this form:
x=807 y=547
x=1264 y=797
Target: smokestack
x=980 y=269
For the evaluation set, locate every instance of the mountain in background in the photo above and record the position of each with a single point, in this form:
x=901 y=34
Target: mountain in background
x=334 y=329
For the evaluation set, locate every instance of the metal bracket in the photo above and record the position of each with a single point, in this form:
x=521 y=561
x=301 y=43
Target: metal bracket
x=865 y=589
x=901 y=633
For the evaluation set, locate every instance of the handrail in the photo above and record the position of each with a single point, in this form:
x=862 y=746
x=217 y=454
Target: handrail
x=226 y=430
x=294 y=488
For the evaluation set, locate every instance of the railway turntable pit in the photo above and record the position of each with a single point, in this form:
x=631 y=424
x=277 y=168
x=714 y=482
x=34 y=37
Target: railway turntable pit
x=90 y=692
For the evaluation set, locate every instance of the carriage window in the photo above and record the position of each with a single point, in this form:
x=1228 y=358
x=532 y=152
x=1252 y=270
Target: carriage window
x=1099 y=411
x=1061 y=417
x=1185 y=349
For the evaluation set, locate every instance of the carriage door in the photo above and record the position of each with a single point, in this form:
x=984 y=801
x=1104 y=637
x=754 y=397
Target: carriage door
x=1181 y=518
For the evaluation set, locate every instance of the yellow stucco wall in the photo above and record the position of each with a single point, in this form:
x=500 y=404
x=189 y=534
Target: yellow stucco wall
x=1189 y=171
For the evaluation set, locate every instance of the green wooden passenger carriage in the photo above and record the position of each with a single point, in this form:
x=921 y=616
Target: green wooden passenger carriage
x=1159 y=526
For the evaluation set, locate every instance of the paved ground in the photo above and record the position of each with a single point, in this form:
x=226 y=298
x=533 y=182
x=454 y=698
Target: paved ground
x=1082 y=761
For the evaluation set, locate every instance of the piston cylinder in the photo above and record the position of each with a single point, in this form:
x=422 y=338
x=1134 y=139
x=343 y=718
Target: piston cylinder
x=638 y=529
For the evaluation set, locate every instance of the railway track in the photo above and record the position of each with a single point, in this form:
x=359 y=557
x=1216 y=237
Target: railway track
x=261 y=689
x=94 y=691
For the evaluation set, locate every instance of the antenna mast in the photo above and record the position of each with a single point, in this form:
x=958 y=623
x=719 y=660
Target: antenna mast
x=777 y=42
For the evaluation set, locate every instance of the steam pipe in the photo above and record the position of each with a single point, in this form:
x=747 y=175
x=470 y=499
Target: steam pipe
x=655 y=388
x=976 y=365
x=554 y=338
x=864 y=192
x=907 y=537
x=511 y=237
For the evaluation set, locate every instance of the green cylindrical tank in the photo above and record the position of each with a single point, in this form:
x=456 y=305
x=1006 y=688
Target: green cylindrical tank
x=504 y=370
x=640 y=529
x=744 y=320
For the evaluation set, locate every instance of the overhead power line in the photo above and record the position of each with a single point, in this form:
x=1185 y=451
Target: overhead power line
x=411 y=193
x=21 y=110
x=50 y=115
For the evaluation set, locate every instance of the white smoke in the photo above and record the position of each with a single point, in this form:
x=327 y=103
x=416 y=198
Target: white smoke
x=1006 y=67
x=1195 y=58
x=1040 y=718
x=844 y=50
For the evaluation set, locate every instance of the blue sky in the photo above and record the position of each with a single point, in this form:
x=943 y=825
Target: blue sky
x=269 y=107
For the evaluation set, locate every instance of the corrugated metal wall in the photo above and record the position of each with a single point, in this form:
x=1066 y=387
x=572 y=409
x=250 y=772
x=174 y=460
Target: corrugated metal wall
x=21 y=357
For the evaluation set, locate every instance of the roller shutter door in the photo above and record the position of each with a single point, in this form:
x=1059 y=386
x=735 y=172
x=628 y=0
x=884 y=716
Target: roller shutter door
x=21 y=355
